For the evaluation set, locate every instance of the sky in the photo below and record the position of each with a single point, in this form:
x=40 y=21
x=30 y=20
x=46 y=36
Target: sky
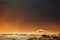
x=29 y=15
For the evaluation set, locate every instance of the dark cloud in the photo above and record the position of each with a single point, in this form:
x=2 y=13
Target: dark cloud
x=32 y=10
